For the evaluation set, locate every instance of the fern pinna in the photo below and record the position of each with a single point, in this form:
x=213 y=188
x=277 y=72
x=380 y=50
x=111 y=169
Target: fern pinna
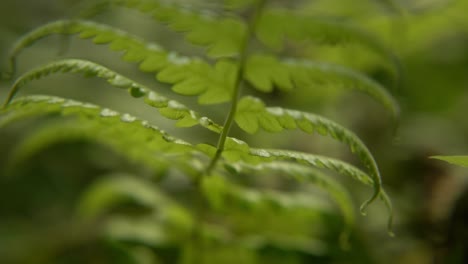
x=242 y=41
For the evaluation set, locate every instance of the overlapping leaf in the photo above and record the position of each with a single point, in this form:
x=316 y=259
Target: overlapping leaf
x=243 y=209
x=190 y=76
x=317 y=178
x=237 y=150
x=222 y=36
x=266 y=72
x=168 y=108
x=122 y=132
x=171 y=223
x=162 y=223
x=277 y=25
x=252 y=114
x=331 y=164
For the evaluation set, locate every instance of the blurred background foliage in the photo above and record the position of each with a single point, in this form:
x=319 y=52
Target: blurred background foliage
x=41 y=198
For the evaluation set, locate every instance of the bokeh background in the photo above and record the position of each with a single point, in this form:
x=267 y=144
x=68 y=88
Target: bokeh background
x=430 y=37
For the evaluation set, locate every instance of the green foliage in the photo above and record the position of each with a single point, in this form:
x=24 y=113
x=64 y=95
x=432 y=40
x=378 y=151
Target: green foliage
x=266 y=72
x=456 y=160
x=97 y=124
x=168 y=108
x=214 y=218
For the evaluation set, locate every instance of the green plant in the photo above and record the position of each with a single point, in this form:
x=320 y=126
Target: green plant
x=457 y=160
x=242 y=56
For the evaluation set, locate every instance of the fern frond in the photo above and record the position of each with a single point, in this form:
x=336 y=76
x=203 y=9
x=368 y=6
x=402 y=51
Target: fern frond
x=168 y=108
x=226 y=38
x=277 y=25
x=164 y=222
x=303 y=174
x=171 y=223
x=134 y=138
x=265 y=72
x=331 y=164
x=252 y=114
x=239 y=205
x=237 y=150
x=315 y=161
x=190 y=76
x=222 y=36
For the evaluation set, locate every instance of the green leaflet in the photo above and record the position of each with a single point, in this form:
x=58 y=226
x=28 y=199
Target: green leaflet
x=235 y=204
x=222 y=36
x=263 y=213
x=317 y=178
x=170 y=222
x=168 y=108
x=237 y=150
x=456 y=160
x=251 y=210
x=276 y=25
x=331 y=164
x=136 y=139
x=265 y=72
x=190 y=76
x=252 y=114
x=315 y=161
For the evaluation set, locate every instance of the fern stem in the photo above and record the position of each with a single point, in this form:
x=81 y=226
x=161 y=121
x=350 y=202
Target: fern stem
x=252 y=23
x=201 y=212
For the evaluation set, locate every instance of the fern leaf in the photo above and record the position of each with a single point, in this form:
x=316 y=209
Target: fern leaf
x=456 y=160
x=190 y=76
x=317 y=178
x=237 y=150
x=315 y=161
x=238 y=204
x=222 y=36
x=331 y=164
x=111 y=190
x=265 y=72
x=276 y=25
x=170 y=222
x=252 y=114
x=134 y=138
x=168 y=108
x=164 y=223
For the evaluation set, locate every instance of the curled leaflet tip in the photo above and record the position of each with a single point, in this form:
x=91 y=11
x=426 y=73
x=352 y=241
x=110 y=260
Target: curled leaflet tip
x=363 y=208
x=390 y=226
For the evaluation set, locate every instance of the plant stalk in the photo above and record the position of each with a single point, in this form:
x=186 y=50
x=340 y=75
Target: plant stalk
x=251 y=26
x=238 y=85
